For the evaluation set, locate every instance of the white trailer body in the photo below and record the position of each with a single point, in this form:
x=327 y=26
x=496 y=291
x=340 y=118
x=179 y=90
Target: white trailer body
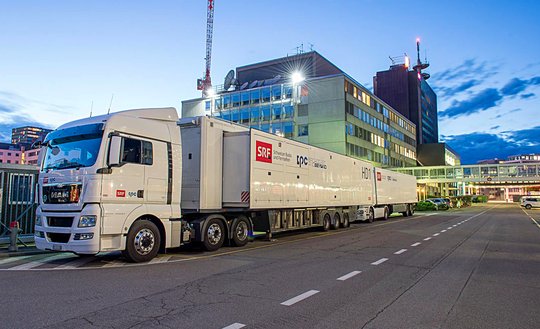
x=394 y=192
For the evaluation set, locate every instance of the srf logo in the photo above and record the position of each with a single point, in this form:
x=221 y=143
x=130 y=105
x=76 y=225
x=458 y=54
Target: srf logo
x=264 y=152
x=120 y=193
x=379 y=176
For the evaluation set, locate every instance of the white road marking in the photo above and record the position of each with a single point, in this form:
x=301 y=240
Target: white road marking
x=427 y=239
x=449 y=228
x=37 y=263
x=299 y=298
x=436 y=234
x=380 y=261
x=416 y=244
x=115 y=263
x=12 y=259
x=454 y=225
x=443 y=231
x=348 y=276
x=399 y=252
x=235 y=326
x=535 y=222
x=160 y=260
x=76 y=263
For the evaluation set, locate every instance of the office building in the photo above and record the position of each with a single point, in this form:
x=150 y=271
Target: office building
x=408 y=92
x=26 y=136
x=307 y=98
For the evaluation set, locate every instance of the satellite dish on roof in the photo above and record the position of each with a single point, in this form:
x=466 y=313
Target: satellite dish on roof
x=244 y=86
x=253 y=84
x=229 y=80
x=272 y=81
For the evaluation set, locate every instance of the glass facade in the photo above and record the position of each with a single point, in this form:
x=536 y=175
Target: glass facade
x=267 y=108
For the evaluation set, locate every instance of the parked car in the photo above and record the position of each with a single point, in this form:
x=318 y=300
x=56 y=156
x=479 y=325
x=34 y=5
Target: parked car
x=439 y=203
x=530 y=202
x=447 y=201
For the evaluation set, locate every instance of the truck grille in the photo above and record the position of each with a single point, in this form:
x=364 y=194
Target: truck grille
x=60 y=221
x=59 y=237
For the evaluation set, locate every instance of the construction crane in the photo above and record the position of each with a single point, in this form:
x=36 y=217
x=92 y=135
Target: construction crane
x=205 y=84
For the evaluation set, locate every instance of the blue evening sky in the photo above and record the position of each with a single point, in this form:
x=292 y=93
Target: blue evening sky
x=57 y=57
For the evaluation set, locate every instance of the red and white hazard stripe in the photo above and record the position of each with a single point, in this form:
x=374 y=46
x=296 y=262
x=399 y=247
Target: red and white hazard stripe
x=244 y=196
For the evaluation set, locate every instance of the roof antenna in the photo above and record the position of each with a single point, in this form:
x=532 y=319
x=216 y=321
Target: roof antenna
x=91 y=108
x=110 y=104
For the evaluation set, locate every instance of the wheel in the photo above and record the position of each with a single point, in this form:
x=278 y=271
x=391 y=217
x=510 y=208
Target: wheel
x=326 y=222
x=407 y=211
x=371 y=216
x=386 y=211
x=240 y=232
x=143 y=241
x=346 y=222
x=410 y=210
x=528 y=206
x=214 y=235
x=336 y=223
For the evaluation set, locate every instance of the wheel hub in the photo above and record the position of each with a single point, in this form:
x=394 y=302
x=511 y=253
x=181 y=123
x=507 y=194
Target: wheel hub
x=214 y=233
x=144 y=241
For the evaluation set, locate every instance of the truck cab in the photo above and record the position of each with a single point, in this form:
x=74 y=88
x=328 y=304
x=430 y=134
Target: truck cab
x=108 y=179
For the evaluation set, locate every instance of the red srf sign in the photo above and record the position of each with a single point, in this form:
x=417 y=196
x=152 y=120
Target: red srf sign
x=120 y=193
x=264 y=152
x=379 y=176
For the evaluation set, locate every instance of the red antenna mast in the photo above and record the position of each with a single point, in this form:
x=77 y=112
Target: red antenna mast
x=205 y=84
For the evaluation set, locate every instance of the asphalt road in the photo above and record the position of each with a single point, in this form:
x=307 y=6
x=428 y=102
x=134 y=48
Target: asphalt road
x=472 y=268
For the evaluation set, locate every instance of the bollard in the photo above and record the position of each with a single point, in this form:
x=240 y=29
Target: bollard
x=14 y=227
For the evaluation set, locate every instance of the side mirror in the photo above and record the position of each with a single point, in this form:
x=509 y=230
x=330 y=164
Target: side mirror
x=115 y=150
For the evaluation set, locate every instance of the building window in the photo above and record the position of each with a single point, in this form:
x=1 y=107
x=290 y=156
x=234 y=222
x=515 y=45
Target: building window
x=265 y=95
x=276 y=112
x=245 y=99
x=255 y=96
x=265 y=113
x=288 y=111
x=255 y=115
x=303 y=110
x=236 y=100
x=276 y=92
x=303 y=130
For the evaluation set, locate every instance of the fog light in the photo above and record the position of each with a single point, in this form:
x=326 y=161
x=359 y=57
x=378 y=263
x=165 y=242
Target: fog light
x=83 y=236
x=87 y=221
x=38 y=220
x=40 y=234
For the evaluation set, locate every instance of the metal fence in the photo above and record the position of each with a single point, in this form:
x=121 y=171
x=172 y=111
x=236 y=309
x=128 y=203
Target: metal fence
x=17 y=203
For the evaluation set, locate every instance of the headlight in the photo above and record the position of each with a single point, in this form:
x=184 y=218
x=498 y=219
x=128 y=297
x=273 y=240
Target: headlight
x=38 y=220
x=87 y=221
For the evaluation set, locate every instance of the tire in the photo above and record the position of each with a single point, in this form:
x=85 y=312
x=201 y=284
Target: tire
x=346 y=222
x=528 y=206
x=326 y=222
x=240 y=232
x=214 y=235
x=371 y=216
x=143 y=241
x=337 y=222
x=386 y=211
x=407 y=211
x=410 y=210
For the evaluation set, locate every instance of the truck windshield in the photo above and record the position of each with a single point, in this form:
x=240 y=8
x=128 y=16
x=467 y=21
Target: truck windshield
x=74 y=147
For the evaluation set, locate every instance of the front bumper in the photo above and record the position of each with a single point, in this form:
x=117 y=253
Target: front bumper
x=59 y=231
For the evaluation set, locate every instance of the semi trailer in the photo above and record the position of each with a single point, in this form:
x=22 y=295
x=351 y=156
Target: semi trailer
x=142 y=181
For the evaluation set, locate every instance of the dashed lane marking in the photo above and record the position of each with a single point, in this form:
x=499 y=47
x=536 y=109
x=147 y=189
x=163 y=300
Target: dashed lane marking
x=349 y=275
x=399 y=252
x=416 y=244
x=299 y=298
x=436 y=234
x=235 y=326
x=443 y=231
x=380 y=261
x=427 y=239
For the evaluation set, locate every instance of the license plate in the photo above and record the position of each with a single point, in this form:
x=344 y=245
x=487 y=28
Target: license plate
x=57 y=247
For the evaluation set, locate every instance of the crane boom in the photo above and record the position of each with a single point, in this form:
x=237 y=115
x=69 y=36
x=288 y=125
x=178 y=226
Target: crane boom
x=205 y=84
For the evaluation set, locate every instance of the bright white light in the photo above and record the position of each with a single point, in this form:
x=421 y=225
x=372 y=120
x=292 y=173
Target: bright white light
x=210 y=92
x=297 y=77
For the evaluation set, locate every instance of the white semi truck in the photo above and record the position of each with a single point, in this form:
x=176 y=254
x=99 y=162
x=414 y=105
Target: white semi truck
x=142 y=181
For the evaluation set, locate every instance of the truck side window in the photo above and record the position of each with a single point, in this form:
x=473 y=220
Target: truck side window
x=132 y=151
x=147 y=153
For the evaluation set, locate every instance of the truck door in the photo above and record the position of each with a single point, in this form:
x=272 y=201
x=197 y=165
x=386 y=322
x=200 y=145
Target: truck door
x=156 y=172
x=123 y=189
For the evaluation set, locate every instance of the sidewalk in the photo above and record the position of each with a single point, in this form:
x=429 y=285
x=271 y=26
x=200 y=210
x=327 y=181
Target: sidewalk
x=23 y=251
